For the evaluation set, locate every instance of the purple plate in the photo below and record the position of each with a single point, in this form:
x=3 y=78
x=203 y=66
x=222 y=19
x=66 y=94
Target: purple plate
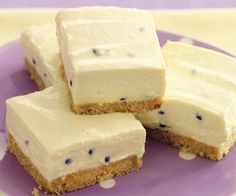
x=165 y=171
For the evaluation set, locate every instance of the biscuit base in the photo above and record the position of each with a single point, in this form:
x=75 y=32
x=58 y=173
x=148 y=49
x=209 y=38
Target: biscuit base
x=135 y=107
x=34 y=75
x=124 y=107
x=77 y=180
x=187 y=144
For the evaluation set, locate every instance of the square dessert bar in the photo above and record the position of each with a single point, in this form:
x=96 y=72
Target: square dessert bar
x=41 y=52
x=112 y=59
x=63 y=151
x=198 y=113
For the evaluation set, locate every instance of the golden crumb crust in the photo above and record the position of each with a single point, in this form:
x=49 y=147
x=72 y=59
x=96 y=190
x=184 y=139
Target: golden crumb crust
x=190 y=145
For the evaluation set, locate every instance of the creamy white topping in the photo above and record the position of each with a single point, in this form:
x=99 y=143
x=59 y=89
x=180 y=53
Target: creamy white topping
x=110 y=53
x=40 y=48
x=59 y=142
x=200 y=99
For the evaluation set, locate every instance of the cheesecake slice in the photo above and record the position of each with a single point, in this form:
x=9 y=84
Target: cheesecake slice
x=41 y=52
x=111 y=59
x=63 y=151
x=198 y=113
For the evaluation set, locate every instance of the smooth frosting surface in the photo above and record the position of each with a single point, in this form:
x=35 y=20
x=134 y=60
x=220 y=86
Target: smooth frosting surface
x=110 y=53
x=40 y=47
x=200 y=99
x=59 y=142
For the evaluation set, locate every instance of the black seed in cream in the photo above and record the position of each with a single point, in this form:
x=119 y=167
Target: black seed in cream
x=162 y=125
x=70 y=82
x=68 y=161
x=45 y=75
x=198 y=116
x=123 y=98
x=95 y=51
x=90 y=152
x=34 y=62
x=161 y=112
x=107 y=159
x=100 y=51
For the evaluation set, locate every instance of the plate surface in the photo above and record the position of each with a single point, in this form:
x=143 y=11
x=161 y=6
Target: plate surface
x=165 y=172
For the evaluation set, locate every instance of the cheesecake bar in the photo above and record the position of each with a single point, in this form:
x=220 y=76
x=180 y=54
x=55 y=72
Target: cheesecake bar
x=64 y=151
x=198 y=113
x=41 y=52
x=111 y=59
